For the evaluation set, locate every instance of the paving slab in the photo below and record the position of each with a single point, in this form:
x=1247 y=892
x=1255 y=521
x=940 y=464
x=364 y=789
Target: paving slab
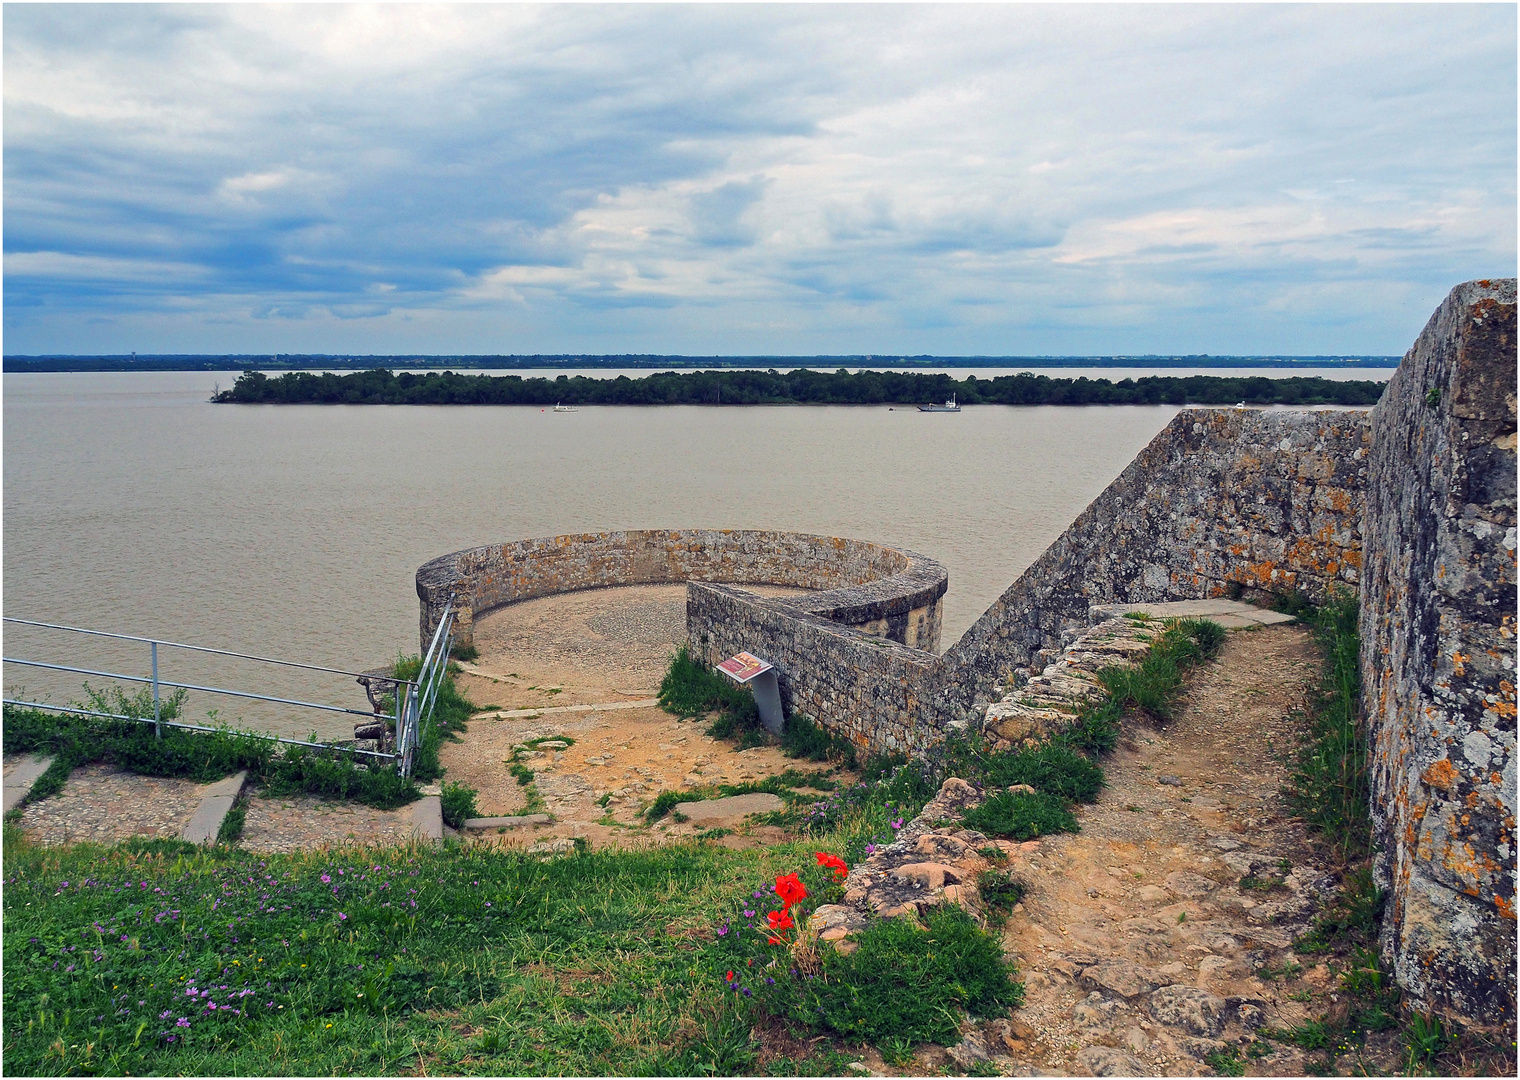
x=729 y=810
x=427 y=819
x=19 y=781
x=1231 y=614
x=216 y=800
x=507 y=822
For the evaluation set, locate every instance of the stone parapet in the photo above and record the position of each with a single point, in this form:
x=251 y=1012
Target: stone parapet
x=1438 y=657
x=1222 y=502
x=882 y=590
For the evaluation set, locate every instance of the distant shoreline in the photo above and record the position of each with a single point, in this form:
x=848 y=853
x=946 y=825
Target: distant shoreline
x=801 y=386
x=51 y=362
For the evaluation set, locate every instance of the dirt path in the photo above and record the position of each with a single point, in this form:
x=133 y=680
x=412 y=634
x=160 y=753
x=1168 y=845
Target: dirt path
x=599 y=647
x=1140 y=947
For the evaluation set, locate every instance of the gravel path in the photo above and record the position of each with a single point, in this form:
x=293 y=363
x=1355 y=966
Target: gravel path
x=106 y=805
x=298 y=822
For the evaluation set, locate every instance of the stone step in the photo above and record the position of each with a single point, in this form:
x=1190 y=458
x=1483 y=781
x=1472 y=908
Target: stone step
x=18 y=785
x=508 y=822
x=216 y=801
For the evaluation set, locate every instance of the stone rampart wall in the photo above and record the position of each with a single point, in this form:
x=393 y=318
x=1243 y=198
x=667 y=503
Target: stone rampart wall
x=1438 y=657
x=865 y=688
x=887 y=591
x=1222 y=501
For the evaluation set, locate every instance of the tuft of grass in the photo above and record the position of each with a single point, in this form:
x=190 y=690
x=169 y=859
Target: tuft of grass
x=458 y=803
x=1152 y=686
x=231 y=829
x=803 y=738
x=1328 y=786
x=1021 y=815
x=999 y=892
x=663 y=802
x=903 y=982
x=689 y=689
x=466 y=653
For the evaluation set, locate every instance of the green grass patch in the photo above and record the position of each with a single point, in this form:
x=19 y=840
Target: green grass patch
x=231 y=829
x=999 y=892
x=1328 y=786
x=689 y=689
x=906 y=983
x=803 y=738
x=458 y=803
x=1021 y=815
x=381 y=961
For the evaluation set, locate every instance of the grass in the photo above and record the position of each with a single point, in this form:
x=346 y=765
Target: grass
x=903 y=982
x=1021 y=815
x=402 y=960
x=458 y=804
x=1328 y=785
x=690 y=690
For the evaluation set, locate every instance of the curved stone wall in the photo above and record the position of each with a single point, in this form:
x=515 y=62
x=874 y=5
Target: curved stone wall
x=878 y=590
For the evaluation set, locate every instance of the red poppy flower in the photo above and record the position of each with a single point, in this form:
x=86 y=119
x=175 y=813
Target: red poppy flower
x=833 y=862
x=790 y=889
x=729 y=977
x=779 y=920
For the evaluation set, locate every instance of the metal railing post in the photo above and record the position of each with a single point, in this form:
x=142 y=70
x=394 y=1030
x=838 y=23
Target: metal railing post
x=158 y=729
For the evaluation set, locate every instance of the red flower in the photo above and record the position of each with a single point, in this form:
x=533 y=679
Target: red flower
x=833 y=862
x=779 y=920
x=790 y=889
x=729 y=977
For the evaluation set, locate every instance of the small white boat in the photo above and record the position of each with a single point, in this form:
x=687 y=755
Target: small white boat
x=565 y=408
x=948 y=406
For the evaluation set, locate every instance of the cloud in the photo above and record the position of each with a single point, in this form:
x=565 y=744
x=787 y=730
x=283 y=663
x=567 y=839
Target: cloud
x=979 y=178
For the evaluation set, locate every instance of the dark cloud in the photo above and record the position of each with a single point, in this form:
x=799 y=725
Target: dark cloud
x=924 y=178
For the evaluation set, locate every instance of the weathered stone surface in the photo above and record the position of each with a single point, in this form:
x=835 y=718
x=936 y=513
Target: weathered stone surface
x=1438 y=657
x=216 y=800
x=1195 y=1011
x=1107 y=1061
x=19 y=781
x=1189 y=886
x=427 y=819
x=1123 y=977
x=730 y=809
x=1221 y=499
x=513 y=822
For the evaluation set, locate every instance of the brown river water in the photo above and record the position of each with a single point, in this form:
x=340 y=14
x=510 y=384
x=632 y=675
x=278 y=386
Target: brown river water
x=133 y=505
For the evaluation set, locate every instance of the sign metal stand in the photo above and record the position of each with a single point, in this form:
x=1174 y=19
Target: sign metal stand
x=761 y=678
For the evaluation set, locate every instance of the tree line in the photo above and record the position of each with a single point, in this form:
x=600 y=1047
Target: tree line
x=797 y=387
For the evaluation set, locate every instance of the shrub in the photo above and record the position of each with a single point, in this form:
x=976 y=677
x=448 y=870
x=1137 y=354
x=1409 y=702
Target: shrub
x=1020 y=815
x=802 y=738
x=689 y=689
x=908 y=983
x=458 y=802
x=1052 y=769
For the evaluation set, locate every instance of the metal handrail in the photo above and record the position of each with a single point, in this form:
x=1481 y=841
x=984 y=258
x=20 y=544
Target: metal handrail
x=415 y=698
x=186 y=686
x=194 y=727
x=180 y=645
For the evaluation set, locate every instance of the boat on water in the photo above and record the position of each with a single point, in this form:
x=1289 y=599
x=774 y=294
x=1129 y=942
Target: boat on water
x=564 y=408
x=948 y=406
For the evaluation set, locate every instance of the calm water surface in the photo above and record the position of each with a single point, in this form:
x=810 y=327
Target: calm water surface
x=133 y=505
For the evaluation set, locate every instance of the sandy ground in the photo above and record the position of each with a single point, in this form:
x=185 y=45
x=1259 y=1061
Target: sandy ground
x=600 y=647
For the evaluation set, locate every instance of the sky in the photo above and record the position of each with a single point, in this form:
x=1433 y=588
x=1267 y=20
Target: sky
x=726 y=179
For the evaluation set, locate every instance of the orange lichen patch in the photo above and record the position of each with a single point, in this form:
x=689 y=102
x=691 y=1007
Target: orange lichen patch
x=1505 y=906
x=1459 y=662
x=1441 y=775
